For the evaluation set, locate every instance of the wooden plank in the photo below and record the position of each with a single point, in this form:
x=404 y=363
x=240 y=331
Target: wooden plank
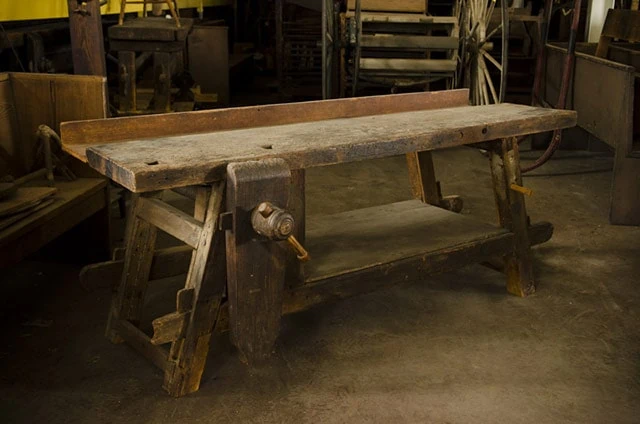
x=255 y=266
x=398 y=6
x=24 y=198
x=206 y=279
x=353 y=240
x=12 y=219
x=408 y=65
x=406 y=18
x=171 y=220
x=141 y=343
x=146 y=46
x=151 y=29
x=408 y=42
x=75 y=202
x=409 y=269
x=87 y=41
x=101 y=131
x=128 y=300
x=196 y=159
x=170 y=327
x=169 y=262
x=50 y=99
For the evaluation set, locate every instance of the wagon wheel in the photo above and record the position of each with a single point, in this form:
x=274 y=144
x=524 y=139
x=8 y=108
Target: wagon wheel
x=328 y=46
x=477 y=54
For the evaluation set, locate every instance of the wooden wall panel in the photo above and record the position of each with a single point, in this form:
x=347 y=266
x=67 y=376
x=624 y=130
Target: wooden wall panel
x=52 y=99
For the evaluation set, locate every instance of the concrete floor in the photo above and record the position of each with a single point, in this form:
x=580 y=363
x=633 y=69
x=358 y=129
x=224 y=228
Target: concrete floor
x=452 y=348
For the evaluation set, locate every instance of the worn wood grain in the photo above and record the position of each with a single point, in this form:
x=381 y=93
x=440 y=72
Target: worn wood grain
x=151 y=29
x=621 y=24
x=87 y=41
x=74 y=202
x=24 y=198
x=168 y=262
x=50 y=99
x=255 y=266
x=140 y=243
x=171 y=220
x=206 y=279
x=195 y=159
x=408 y=65
x=349 y=241
x=407 y=269
x=408 y=42
x=505 y=169
x=77 y=135
x=141 y=343
x=407 y=6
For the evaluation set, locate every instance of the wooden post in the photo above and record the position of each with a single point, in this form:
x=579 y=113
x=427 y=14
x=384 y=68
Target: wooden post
x=424 y=185
x=200 y=299
x=505 y=170
x=128 y=300
x=127 y=75
x=255 y=265
x=87 y=41
x=423 y=177
x=162 y=78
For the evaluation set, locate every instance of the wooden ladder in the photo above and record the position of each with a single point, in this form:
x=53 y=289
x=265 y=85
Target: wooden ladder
x=189 y=328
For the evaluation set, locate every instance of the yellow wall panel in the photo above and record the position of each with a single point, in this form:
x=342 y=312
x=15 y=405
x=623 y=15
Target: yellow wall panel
x=20 y=10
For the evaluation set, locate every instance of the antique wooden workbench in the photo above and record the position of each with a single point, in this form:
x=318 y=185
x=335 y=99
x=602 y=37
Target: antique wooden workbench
x=244 y=168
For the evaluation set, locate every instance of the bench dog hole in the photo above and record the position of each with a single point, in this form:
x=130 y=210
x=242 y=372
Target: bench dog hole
x=154 y=162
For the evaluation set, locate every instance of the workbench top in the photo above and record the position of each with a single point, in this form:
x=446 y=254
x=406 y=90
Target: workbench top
x=177 y=161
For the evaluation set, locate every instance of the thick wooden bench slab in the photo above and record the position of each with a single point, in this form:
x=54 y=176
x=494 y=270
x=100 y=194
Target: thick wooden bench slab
x=167 y=162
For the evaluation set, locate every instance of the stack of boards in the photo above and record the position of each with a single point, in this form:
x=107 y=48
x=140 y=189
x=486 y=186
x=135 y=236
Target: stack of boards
x=19 y=203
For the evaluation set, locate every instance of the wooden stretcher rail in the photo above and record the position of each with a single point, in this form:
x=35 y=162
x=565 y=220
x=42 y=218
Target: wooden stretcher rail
x=167 y=162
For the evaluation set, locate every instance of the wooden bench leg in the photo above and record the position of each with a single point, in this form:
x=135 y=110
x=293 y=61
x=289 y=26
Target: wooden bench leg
x=255 y=266
x=199 y=302
x=424 y=185
x=127 y=75
x=129 y=297
x=505 y=170
x=162 y=78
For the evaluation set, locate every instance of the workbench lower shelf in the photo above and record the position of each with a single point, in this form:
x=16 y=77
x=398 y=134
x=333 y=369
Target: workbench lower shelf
x=362 y=250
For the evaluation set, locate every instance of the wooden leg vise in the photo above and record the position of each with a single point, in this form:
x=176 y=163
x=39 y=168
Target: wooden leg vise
x=257 y=192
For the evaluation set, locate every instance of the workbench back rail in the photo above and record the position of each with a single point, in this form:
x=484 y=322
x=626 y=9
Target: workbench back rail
x=103 y=131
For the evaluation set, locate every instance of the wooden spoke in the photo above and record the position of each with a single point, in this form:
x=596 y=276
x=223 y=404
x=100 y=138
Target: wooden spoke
x=492 y=60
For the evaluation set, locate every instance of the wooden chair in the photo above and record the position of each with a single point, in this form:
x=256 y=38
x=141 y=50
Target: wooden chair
x=173 y=8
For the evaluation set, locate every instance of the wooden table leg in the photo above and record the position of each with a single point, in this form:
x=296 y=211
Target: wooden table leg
x=162 y=78
x=199 y=302
x=505 y=170
x=424 y=184
x=129 y=298
x=255 y=266
x=127 y=74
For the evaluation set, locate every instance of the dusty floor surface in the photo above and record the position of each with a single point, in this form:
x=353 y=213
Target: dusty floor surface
x=452 y=348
